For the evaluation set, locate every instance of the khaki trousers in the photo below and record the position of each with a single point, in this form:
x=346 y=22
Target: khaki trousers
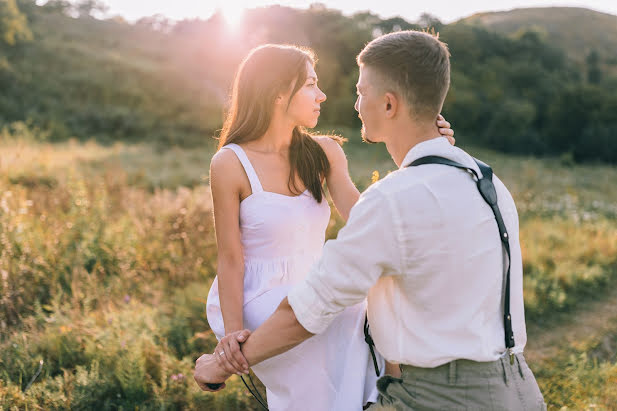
x=462 y=385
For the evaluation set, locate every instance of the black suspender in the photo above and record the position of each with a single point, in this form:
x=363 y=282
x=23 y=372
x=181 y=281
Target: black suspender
x=487 y=190
x=371 y=345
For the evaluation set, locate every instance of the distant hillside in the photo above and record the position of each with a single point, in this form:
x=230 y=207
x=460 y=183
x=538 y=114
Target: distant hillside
x=115 y=81
x=578 y=31
x=87 y=78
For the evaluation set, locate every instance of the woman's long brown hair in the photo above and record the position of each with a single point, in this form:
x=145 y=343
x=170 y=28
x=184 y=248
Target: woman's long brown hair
x=264 y=74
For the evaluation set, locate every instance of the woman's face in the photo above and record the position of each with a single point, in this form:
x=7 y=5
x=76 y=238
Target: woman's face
x=304 y=108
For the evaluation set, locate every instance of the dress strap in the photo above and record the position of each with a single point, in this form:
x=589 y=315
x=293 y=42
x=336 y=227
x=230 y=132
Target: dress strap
x=248 y=167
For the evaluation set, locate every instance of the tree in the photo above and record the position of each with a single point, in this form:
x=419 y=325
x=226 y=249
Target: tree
x=13 y=24
x=58 y=6
x=156 y=22
x=85 y=8
x=594 y=74
x=428 y=21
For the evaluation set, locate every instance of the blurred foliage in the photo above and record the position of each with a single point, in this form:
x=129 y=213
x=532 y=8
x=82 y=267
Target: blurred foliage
x=87 y=78
x=107 y=254
x=577 y=31
x=168 y=82
x=13 y=24
x=521 y=95
x=107 y=250
x=583 y=377
x=103 y=282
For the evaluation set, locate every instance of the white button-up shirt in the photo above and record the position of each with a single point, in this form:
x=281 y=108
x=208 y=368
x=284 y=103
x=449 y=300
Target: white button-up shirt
x=425 y=247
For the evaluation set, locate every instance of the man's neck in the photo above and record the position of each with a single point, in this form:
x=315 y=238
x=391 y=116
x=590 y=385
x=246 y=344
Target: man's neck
x=407 y=135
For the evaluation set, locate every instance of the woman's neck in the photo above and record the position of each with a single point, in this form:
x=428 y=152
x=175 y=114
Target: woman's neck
x=276 y=139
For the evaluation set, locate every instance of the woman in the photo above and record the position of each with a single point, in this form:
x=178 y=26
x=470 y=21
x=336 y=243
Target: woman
x=270 y=217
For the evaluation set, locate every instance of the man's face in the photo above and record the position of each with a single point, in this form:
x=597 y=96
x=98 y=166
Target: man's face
x=367 y=105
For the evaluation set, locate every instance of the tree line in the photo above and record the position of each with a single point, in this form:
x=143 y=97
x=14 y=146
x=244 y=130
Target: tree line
x=73 y=75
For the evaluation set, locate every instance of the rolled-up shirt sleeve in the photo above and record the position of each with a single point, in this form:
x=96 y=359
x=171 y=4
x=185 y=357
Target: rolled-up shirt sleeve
x=365 y=249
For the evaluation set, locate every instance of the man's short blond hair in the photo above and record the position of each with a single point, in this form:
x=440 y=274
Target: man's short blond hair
x=413 y=64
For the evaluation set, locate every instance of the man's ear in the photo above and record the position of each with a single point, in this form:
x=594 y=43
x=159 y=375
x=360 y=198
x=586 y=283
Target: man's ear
x=391 y=104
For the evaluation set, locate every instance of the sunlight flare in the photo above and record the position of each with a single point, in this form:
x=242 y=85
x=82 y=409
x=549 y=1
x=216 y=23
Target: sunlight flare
x=233 y=14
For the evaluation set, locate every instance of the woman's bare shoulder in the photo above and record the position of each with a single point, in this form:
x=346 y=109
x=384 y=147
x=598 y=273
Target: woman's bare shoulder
x=226 y=168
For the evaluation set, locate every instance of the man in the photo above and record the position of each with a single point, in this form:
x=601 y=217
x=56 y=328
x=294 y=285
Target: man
x=424 y=246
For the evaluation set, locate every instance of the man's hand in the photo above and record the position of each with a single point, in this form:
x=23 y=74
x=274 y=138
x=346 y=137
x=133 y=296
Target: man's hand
x=445 y=129
x=228 y=354
x=207 y=371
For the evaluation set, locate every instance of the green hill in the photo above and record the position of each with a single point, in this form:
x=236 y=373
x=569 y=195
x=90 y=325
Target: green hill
x=109 y=80
x=577 y=31
x=115 y=81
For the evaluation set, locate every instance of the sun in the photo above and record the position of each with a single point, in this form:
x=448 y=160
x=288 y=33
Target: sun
x=232 y=13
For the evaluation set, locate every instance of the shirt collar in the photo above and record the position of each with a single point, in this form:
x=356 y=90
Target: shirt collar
x=439 y=146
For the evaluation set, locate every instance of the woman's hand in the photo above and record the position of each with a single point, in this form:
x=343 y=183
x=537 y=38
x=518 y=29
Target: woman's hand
x=445 y=129
x=228 y=354
x=208 y=374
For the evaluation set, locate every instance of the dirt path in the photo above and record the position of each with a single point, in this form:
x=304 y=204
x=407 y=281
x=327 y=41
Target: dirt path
x=590 y=319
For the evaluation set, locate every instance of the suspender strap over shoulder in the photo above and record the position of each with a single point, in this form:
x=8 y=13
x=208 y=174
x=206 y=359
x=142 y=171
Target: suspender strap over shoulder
x=489 y=194
x=487 y=190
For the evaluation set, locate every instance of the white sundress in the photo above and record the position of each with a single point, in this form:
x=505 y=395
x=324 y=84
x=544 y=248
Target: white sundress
x=282 y=236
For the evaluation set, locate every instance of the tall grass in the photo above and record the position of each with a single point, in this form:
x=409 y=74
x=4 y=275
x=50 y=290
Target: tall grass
x=107 y=255
x=104 y=282
x=584 y=376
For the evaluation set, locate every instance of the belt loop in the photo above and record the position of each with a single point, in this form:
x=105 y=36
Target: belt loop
x=520 y=369
x=452 y=373
x=503 y=361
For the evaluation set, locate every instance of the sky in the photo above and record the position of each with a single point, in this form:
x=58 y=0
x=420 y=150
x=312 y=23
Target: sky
x=446 y=10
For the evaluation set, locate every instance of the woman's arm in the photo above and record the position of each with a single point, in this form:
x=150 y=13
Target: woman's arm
x=226 y=173
x=342 y=190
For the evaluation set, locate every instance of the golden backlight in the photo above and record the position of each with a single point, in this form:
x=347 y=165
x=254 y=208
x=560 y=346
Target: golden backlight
x=232 y=13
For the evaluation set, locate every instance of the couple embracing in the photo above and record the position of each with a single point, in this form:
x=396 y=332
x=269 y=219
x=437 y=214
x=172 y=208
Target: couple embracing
x=430 y=254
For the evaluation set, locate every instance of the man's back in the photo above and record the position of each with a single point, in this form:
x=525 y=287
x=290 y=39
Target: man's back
x=425 y=247
x=449 y=284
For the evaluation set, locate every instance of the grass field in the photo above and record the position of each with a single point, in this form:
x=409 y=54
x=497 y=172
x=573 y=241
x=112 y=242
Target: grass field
x=107 y=254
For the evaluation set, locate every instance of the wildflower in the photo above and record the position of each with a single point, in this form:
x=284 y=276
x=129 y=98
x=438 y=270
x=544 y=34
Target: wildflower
x=174 y=377
x=375 y=176
x=127 y=299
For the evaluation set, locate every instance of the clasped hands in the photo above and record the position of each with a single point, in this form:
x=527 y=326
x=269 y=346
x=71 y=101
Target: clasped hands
x=212 y=370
